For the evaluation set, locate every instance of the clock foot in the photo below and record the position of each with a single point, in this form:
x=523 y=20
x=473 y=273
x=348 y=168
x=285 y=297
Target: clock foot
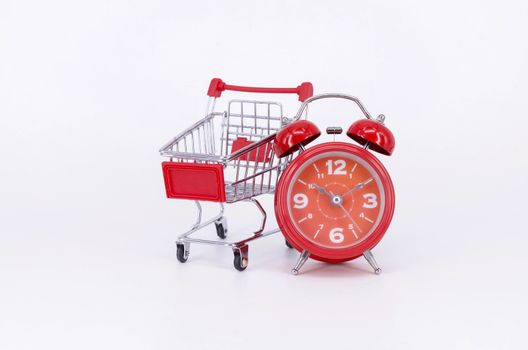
x=370 y=258
x=302 y=259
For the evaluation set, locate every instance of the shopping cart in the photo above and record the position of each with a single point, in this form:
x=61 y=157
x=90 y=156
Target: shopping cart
x=228 y=157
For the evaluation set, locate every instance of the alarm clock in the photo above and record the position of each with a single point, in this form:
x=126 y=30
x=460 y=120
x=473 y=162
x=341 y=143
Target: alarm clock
x=334 y=202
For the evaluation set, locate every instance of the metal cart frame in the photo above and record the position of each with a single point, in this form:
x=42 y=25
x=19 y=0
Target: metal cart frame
x=236 y=164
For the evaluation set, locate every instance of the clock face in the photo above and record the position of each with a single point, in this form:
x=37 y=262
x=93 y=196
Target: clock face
x=335 y=199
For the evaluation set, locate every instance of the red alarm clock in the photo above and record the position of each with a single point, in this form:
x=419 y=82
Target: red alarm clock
x=335 y=200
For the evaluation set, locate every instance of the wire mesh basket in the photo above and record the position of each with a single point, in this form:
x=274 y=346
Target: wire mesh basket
x=227 y=156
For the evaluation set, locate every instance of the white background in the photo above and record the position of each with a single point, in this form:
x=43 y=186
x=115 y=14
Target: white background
x=90 y=90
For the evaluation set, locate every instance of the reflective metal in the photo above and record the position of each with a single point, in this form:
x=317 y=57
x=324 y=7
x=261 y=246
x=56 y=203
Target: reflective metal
x=332 y=95
x=370 y=258
x=248 y=172
x=302 y=259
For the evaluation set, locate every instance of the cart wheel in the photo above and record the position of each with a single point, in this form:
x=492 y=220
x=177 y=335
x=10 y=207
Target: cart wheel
x=237 y=262
x=221 y=228
x=241 y=258
x=288 y=244
x=181 y=253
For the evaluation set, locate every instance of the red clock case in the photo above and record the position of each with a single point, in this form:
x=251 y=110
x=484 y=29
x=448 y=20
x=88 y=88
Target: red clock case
x=297 y=240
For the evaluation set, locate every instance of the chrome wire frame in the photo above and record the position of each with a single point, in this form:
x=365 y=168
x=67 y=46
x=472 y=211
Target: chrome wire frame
x=259 y=233
x=304 y=105
x=250 y=171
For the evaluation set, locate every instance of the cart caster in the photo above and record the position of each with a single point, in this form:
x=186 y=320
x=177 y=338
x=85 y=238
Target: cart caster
x=288 y=244
x=182 y=252
x=240 y=260
x=221 y=228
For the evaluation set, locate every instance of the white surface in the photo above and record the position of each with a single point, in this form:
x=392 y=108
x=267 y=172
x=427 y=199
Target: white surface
x=89 y=91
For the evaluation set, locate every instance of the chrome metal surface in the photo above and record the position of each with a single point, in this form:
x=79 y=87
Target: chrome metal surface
x=334 y=130
x=250 y=119
x=259 y=233
x=332 y=95
x=198 y=225
x=250 y=171
x=337 y=200
x=264 y=216
x=370 y=258
x=228 y=244
x=300 y=262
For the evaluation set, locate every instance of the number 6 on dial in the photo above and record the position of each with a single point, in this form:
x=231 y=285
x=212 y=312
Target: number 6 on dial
x=336 y=235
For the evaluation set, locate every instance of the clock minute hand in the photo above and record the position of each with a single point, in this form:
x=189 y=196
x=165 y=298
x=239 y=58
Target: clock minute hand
x=357 y=187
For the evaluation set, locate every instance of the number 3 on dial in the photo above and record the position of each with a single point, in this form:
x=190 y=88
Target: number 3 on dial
x=371 y=201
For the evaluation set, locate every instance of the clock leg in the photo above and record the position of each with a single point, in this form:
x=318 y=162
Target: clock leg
x=302 y=259
x=370 y=258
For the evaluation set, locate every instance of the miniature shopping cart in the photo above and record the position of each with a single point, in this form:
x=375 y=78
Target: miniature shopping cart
x=228 y=157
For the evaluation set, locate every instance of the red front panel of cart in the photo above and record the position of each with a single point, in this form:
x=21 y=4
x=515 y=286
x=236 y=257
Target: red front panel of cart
x=204 y=182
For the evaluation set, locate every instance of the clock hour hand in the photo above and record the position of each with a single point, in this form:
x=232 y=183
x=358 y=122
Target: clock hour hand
x=357 y=187
x=322 y=190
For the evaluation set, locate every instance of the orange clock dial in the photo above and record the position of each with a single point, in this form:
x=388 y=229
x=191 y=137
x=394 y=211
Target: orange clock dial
x=335 y=199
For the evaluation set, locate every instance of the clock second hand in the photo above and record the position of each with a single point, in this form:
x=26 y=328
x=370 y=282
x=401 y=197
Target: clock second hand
x=322 y=190
x=351 y=219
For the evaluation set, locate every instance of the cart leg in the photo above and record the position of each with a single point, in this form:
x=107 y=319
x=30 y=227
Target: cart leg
x=302 y=259
x=218 y=219
x=370 y=258
x=264 y=216
x=199 y=218
x=241 y=257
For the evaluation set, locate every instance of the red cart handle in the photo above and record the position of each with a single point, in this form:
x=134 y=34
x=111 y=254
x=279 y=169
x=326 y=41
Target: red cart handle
x=217 y=86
